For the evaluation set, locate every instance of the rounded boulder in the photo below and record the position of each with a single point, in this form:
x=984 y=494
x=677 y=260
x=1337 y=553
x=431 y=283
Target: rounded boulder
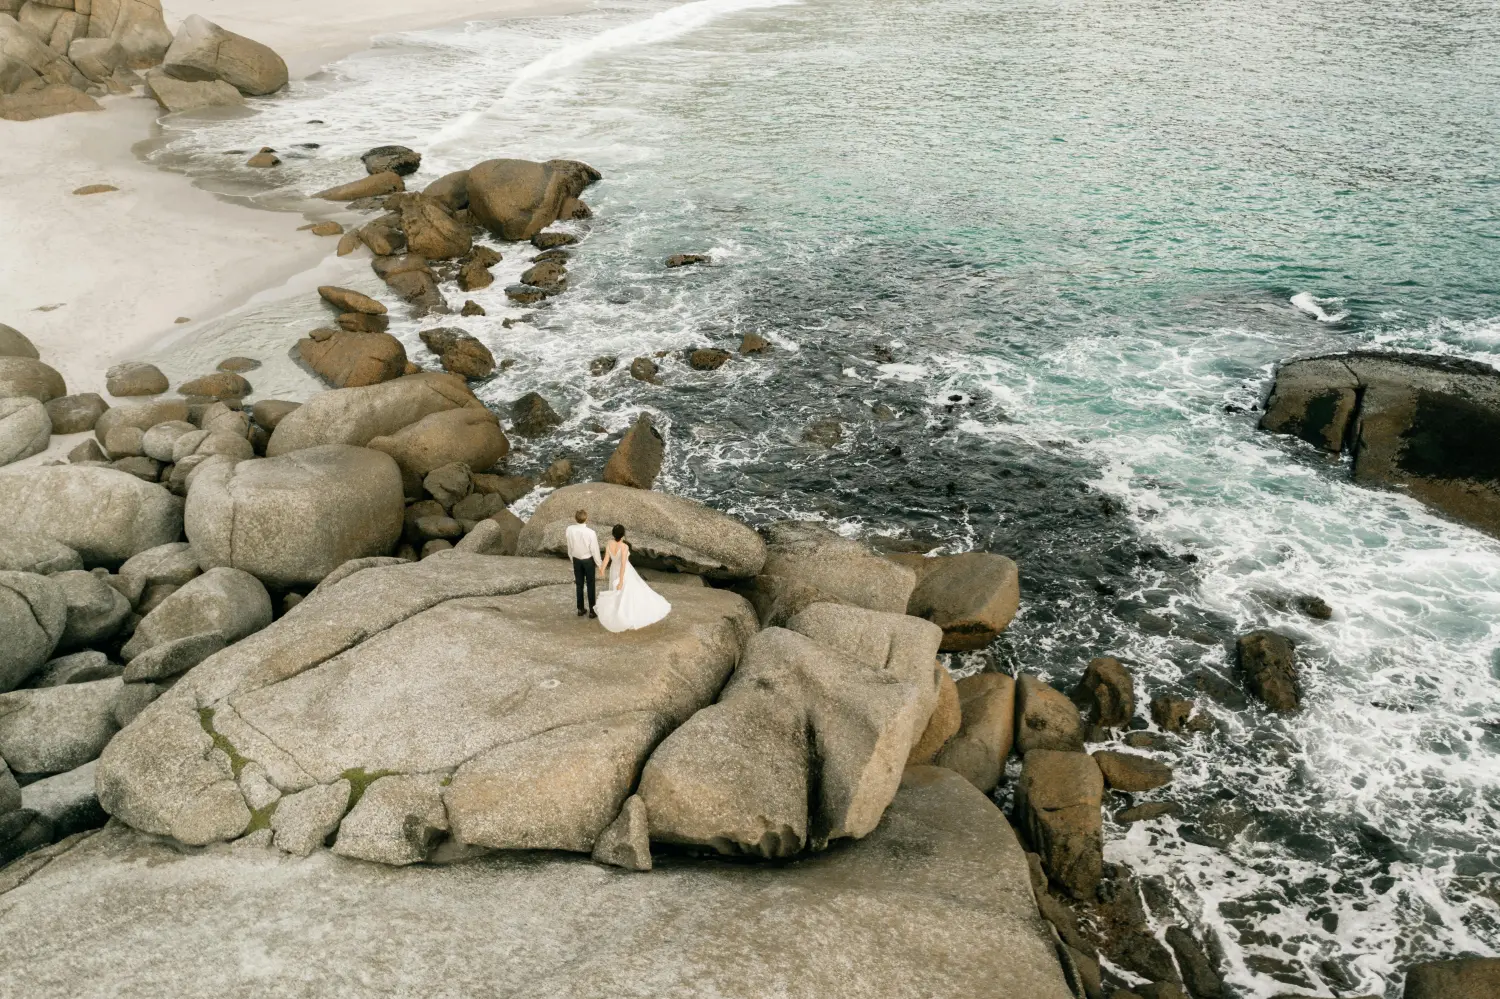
x=30 y=377
x=33 y=614
x=470 y=436
x=358 y=415
x=25 y=429
x=203 y=51
x=292 y=519
x=103 y=514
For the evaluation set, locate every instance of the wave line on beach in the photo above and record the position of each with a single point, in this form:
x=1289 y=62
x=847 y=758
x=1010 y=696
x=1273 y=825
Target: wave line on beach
x=660 y=27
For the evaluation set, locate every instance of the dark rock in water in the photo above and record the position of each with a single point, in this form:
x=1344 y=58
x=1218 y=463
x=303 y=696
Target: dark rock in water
x=1176 y=714
x=603 y=365
x=1106 y=695
x=1147 y=811
x=460 y=352
x=558 y=474
x=396 y=159
x=1419 y=422
x=707 y=358
x=824 y=433
x=1198 y=972
x=636 y=461
x=754 y=343
x=1132 y=773
x=551 y=240
x=532 y=416
x=1470 y=978
x=517 y=199
x=684 y=259
x=643 y=369
x=361 y=322
x=549 y=274
x=472 y=308
x=1314 y=607
x=525 y=294
x=1149 y=740
x=1270 y=668
x=508 y=487
x=555 y=256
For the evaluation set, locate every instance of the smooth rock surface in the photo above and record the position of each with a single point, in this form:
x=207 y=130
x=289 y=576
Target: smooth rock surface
x=229 y=601
x=95 y=609
x=120 y=908
x=636 y=460
x=29 y=551
x=292 y=519
x=979 y=750
x=104 y=515
x=24 y=376
x=468 y=436
x=357 y=415
x=516 y=199
x=33 y=614
x=50 y=730
x=666 y=532
x=420 y=669
x=25 y=429
x=1058 y=800
x=1045 y=718
x=808 y=563
x=971 y=596
x=203 y=51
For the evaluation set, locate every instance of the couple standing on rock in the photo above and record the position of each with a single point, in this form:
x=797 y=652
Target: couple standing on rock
x=629 y=603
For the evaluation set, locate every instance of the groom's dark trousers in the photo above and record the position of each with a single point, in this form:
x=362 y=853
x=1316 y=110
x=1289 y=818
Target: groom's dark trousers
x=583 y=576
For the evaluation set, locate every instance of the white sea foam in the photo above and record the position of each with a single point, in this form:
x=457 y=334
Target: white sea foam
x=1319 y=308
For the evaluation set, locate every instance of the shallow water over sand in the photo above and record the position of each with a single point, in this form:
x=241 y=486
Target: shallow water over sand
x=1063 y=244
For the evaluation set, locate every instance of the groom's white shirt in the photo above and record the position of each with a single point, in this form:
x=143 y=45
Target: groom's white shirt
x=583 y=542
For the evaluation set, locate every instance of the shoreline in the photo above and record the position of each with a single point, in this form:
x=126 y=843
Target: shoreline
x=161 y=247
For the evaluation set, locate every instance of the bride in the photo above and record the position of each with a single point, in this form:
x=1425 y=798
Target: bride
x=628 y=603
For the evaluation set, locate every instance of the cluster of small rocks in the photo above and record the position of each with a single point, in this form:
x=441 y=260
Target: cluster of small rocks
x=57 y=56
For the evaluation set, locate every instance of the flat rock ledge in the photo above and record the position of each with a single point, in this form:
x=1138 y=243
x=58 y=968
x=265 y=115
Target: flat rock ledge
x=936 y=901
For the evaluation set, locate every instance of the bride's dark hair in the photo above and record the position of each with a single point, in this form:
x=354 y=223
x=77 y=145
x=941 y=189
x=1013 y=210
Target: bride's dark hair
x=619 y=532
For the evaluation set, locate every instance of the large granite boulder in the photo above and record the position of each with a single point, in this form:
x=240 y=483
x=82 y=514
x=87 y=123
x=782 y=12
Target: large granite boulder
x=351 y=360
x=103 y=514
x=201 y=50
x=180 y=95
x=872 y=919
x=29 y=105
x=136 y=26
x=14 y=343
x=357 y=415
x=33 y=614
x=25 y=429
x=1465 y=978
x=1106 y=697
x=470 y=436
x=807 y=742
x=231 y=602
x=51 y=730
x=666 y=532
x=987 y=705
x=516 y=199
x=23 y=376
x=430 y=231
x=27 y=61
x=1045 y=718
x=27 y=551
x=1421 y=423
x=470 y=670
x=1058 y=800
x=808 y=563
x=293 y=519
x=971 y=596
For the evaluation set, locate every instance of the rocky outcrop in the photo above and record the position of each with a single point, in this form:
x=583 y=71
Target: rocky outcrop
x=430 y=231
x=228 y=601
x=291 y=520
x=554 y=925
x=25 y=429
x=33 y=614
x=1269 y=664
x=1420 y=423
x=357 y=415
x=1045 y=718
x=469 y=436
x=1466 y=978
x=808 y=563
x=351 y=360
x=807 y=742
x=978 y=751
x=636 y=460
x=1058 y=800
x=23 y=376
x=666 y=532
x=203 y=51
x=46 y=102
x=104 y=515
x=971 y=596
x=516 y=199
x=1106 y=697
x=461 y=666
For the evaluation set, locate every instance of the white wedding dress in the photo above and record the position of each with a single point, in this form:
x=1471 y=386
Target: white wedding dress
x=631 y=606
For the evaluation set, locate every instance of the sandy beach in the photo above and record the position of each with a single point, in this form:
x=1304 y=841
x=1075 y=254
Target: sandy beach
x=103 y=276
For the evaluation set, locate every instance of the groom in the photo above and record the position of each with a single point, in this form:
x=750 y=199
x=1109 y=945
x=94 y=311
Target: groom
x=583 y=548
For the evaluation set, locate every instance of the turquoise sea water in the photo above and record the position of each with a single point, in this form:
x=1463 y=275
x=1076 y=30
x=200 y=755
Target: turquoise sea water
x=1062 y=243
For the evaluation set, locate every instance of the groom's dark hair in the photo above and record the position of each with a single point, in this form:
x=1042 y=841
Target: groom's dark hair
x=619 y=532
x=581 y=516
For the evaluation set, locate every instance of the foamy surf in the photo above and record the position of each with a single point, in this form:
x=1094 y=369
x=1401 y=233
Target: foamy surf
x=1318 y=308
